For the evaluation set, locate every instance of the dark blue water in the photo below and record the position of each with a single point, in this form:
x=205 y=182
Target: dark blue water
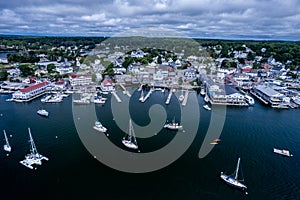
x=71 y=172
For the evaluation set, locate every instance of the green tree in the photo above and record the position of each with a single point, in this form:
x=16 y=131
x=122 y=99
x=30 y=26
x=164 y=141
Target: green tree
x=3 y=75
x=50 y=68
x=26 y=70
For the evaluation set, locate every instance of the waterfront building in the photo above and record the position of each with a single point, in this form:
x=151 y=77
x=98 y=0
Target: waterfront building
x=31 y=92
x=276 y=99
x=107 y=85
x=80 y=79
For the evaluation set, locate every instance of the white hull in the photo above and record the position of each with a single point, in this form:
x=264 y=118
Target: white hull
x=206 y=107
x=129 y=144
x=43 y=113
x=282 y=152
x=101 y=129
x=7 y=148
x=232 y=182
x=172 y=126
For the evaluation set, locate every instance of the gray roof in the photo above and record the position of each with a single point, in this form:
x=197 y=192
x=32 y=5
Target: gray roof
x=267 y=90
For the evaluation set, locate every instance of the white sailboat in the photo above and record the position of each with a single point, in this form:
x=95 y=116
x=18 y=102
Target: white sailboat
x=33 y=157
x=129 y=140
x=173 y=125
x=233 y=180
x=6 y=147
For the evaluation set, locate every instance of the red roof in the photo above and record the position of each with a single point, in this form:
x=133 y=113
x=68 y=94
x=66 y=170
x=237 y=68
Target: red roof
x=33 y=87
x=107 y=82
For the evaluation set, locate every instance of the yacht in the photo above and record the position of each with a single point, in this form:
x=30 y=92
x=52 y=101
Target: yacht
x=129 y=140
x=233 y=180
x=249 y=100
x=173 y=125
x=206 y=107
x=99 y=127
x=43 y=112
x=33 y=158
x=282 y=152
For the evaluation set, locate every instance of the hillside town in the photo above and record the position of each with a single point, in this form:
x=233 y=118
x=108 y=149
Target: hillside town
x=235 y=78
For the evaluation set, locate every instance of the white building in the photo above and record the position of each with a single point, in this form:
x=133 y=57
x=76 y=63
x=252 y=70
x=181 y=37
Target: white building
x=31 y=92
x=107 y=85
x=80 y=79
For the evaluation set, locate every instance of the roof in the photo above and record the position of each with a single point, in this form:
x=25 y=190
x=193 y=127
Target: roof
x=107 y=82
x=33 y=87
x=229 y=90
x=267 y=90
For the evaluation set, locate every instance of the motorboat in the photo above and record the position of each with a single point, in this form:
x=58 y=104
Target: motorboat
x=43 y=112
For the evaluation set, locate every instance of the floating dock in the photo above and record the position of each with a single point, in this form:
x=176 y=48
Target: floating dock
x=169 y=97
x=117 y=97
x=186 y=96
x=147 y=96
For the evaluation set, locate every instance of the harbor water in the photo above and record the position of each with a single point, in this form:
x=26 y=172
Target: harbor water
x=250 y=133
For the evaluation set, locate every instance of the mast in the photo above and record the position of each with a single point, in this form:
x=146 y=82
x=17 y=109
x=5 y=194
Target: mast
x=6 y=140
x=237 y=169
x=129 y=131
x=32 y=145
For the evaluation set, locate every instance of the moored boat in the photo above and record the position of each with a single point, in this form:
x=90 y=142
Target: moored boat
x=233 y=180
x=43 y=112
x=206 y=107
x=173 y=125
x=129 y=140
x=99 y=127
x=6 y=147
x=282 y=152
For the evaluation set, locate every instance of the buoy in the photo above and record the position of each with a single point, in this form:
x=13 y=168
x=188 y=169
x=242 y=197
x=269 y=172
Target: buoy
x=56 y=136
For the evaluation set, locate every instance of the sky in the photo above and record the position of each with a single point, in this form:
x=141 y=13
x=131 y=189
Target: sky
x=216 y=19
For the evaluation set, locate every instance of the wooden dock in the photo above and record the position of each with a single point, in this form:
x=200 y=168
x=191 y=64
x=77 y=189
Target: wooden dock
x=117 y=97
x=186 y=96
x=169 y=97
x=260 y=98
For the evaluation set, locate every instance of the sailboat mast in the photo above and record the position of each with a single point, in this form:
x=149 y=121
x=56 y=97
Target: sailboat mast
x=33 y=147
x=6 y=140
x=237 y=169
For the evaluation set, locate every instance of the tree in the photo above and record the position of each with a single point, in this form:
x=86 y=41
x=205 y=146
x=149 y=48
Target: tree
x=26 y=70
x=50 y=68
x=3 y=75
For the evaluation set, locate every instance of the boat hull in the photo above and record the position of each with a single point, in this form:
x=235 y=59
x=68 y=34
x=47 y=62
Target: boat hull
x=232 y=182
x=129 y=144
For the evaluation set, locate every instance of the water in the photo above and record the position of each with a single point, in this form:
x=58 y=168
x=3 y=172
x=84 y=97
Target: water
x=72 y=172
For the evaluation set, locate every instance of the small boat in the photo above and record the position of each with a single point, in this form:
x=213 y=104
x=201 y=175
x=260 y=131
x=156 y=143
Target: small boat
x=43 y=112
x=282 y=152
x=173 y=125
x=206 y=107
x=206 y=99
x=6 y=147
x=214 y=143
x=202 y=91
x=181 y=98
x=33 y=158
x=233 y=180
x=100 y=100
x=99 y=127
x=249 y=100
x=129 y=140
x=217 y=140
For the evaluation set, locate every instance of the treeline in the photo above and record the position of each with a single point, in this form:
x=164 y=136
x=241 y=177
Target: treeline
x=283 y=51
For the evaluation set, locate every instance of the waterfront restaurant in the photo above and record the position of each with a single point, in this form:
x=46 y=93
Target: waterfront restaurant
x=31 y=92
x=267 y=93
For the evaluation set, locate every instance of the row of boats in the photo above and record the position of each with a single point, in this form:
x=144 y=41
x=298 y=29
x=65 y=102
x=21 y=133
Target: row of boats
x=54 y=98
x=31 y=159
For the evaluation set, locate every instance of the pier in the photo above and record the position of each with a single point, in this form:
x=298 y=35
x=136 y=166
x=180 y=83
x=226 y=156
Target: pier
x=186 y=96
x=169 y=97
x=260 y=98
x=125 y=90
x=117 y=97
x=147 y=96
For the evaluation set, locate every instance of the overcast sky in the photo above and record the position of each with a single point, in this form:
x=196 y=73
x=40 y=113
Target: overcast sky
x=229 y=19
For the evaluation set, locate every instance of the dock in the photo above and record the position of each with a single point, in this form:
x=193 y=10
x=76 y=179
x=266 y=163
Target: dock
x=147 y=96
x=125 y=91
x=169 y=97
x=260 y=98
x=186 y=96
x=117 y=97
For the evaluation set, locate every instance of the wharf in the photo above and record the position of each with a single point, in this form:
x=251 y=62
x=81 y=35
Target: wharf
x=169 y=97
x=148 y=95
x=260 y=98
x=117 y=97
x=186 y=95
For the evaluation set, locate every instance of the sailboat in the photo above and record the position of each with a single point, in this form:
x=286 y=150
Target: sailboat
x=6 y=147
x=233 y=180
x=33 y=157
x=129 y=140
x=173 y=125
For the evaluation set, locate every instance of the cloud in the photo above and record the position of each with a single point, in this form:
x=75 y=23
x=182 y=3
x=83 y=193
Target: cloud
x=206 y=18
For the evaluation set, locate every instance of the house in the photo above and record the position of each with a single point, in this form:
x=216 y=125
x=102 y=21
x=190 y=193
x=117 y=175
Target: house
x=31 y=92
x=107 y=85
x=80 y=79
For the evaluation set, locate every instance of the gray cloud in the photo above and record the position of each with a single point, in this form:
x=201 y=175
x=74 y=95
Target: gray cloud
x=252 y=19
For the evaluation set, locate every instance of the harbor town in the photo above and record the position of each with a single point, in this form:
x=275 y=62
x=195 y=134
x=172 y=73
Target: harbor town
x=240 y=79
